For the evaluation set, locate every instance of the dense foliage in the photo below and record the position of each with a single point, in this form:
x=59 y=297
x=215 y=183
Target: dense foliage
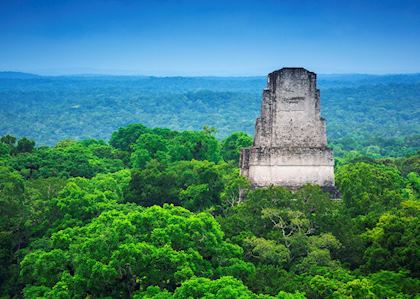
x=157 y=213
x=376 y=115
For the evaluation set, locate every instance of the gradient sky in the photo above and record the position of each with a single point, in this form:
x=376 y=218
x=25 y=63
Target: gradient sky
x=209 y=37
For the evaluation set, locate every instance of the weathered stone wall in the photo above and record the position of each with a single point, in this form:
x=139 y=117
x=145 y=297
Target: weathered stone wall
x=290 y=144
x=290 y=111
x=290 y=167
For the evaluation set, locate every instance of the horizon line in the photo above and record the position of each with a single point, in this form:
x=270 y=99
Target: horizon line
x=135 y=74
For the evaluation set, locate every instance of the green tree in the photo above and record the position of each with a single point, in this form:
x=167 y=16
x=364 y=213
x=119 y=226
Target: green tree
x=82 y=199
x=225 y=287
x=393 y=242
x=369 y=187
x=8 y=140
x=4 y=150
x=196 y=185
x=189 y=145
x=14 y=217
x=232 y=145
x=125 y=137
x=68 y=159
x=153 y=185
x=147 y=147
x=128 y=249
x=25 y=145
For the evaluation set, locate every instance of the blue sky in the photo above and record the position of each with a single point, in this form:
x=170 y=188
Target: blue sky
x=209 y=37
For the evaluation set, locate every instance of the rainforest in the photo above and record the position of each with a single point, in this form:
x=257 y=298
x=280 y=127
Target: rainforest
x=159 y=213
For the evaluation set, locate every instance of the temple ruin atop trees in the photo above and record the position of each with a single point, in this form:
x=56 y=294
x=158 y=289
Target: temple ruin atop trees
x=290 y=144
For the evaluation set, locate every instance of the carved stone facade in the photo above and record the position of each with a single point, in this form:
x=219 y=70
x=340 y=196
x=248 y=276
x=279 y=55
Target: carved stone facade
x=290 y=143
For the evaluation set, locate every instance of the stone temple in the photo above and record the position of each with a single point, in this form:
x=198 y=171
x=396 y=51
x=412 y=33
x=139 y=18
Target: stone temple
x=290 y=143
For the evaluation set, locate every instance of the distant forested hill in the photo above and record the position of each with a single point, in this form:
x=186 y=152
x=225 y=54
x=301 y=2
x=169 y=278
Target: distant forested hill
x=376 y=114
x=17 y=75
